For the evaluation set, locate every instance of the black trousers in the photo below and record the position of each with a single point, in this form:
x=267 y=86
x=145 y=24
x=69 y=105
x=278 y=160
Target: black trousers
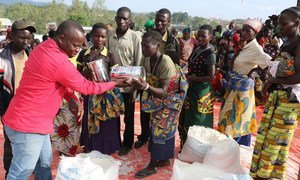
x=128 y=136
x=145 y=123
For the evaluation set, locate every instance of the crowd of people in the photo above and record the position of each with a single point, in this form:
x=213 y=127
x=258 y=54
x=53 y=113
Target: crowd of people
x=256 y=64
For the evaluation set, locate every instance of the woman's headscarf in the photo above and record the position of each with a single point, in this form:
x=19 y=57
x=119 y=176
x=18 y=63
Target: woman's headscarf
x=254 y=23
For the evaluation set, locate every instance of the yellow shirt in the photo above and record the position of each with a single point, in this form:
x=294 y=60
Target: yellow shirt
x=73 y=60
x=19 y=64
x=164 y=39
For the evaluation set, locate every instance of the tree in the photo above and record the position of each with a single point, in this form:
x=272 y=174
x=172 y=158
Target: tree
x=2 y=10
x=197 y=21
x=139 y=20
x=78 y=11
x=98 y=12
x=52 y=12
x=19 y=11
x=57 y=11
x=180 y=17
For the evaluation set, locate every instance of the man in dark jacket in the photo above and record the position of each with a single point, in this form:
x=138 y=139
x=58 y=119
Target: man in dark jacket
x=170 y=45
x=12 y=62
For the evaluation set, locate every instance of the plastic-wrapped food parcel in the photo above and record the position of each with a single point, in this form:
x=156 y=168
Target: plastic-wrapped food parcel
x=135 y=72
x=110 y=104
x=99 y=70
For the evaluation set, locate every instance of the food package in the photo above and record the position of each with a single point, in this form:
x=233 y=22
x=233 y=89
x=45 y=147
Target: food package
x=99 y=70
x=136 y=72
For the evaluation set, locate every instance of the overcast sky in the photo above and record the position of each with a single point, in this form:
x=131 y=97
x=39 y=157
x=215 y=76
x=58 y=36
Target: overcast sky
x=225 y=9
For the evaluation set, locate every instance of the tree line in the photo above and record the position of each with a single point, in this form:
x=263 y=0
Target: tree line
x=57 y=11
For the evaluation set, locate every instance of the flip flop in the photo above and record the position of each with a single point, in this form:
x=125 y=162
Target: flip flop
x=145 y=172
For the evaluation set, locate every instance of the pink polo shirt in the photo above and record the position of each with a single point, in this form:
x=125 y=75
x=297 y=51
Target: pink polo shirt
x=47 y=74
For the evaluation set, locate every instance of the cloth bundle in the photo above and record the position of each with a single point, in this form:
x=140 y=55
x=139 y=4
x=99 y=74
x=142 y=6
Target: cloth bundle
x=103 y=107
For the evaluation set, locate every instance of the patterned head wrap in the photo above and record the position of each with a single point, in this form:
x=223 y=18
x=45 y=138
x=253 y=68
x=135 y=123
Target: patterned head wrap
x=254 y=23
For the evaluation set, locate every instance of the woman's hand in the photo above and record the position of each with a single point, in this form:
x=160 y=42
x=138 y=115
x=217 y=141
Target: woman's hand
x=76 y=108
x=140 y=84
x=122 y=82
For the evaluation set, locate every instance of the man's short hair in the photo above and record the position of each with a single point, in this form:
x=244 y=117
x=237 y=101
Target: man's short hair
x=207 y=27
x=67 y=26
x=165 y=11
x=124 y=9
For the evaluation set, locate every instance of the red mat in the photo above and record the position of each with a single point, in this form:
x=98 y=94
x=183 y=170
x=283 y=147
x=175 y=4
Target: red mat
x=139 y=158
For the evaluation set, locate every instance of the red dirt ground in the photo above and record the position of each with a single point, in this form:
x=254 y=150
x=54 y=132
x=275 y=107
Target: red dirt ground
x=138 y=158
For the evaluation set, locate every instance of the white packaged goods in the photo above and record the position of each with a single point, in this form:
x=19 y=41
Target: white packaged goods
x=198 y=143
x=128 y=71
x=99 y=70
x=88 y=166
x=182 y=171
x=225 y=155
x=213 y=149
x=198 y=171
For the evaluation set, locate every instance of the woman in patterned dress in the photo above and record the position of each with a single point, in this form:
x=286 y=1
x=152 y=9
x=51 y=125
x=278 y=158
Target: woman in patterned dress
x=282 y=110
x=163 y=96
x=238 y=112
x=101 y=116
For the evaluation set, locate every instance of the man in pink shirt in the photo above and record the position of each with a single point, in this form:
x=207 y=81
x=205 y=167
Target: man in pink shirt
x=47 y=78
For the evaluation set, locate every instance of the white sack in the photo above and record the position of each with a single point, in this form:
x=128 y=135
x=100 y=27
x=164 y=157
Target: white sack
x=198 y=171
x=88 y=166
x=225 y=155
x=198 y=143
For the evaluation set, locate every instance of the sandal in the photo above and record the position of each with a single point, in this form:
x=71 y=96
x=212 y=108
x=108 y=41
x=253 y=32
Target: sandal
x=145 y=172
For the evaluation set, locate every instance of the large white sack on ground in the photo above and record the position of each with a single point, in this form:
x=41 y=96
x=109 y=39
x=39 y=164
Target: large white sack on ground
x=225 y=155
x=198 y=171
x=88 y=166
x=246 y=156
x=198 y=143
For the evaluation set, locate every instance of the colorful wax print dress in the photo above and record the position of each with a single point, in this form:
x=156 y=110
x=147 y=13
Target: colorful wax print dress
x=101 y=116
x=280 y=118
x=238 y=111
x=165 y=112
